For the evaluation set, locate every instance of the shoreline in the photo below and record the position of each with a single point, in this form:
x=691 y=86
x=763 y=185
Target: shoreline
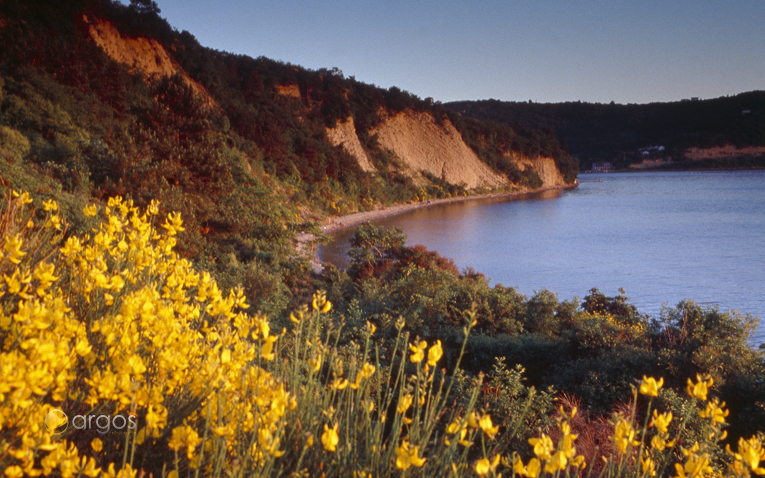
x=307 y=246
x=671 y=170
x=335 y=223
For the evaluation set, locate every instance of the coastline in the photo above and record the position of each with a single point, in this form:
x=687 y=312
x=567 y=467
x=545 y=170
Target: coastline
x=306 y=244
x=335 y=223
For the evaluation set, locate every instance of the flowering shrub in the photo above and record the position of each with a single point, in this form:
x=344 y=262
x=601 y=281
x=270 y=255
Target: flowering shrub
x=116 y=324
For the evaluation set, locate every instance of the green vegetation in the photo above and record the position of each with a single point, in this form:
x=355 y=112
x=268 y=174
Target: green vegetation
x=614 y=132
x=348 y=385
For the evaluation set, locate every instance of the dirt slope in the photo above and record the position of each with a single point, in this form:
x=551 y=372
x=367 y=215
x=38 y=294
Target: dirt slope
x=140 y=54
x=344 y=134
x=423 y=145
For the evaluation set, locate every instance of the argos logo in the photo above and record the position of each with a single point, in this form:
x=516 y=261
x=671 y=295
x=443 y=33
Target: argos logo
x=57 y=422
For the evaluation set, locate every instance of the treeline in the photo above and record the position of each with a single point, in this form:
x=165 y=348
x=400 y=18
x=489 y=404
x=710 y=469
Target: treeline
x=604 y=132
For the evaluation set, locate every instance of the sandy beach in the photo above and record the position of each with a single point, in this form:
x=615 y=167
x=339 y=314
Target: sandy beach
x=352 y=220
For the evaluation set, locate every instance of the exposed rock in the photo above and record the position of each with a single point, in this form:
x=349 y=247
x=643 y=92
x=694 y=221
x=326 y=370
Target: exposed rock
x=289 y=90
x=727 y=151
x=423 y=145
x=545 y=168
x=344 y=134
x=141 y=54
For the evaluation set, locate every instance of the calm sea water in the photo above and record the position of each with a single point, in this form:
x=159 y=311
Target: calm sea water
x=663 y=237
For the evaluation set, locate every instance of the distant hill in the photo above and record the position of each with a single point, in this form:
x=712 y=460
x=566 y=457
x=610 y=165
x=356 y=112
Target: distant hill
x=614 y=132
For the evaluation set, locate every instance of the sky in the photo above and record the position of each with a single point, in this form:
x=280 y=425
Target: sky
x=638 y=51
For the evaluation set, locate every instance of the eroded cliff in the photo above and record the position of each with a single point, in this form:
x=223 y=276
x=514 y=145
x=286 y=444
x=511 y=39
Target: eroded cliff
x=145 y=55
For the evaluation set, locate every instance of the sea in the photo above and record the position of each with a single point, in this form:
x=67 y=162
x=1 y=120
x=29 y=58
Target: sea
x=661 y=236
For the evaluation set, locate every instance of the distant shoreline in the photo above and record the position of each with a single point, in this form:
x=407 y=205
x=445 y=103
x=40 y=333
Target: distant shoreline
x=671 y=170
x=336 y=223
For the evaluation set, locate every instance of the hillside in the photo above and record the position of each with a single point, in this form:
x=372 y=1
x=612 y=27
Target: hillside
x=99 y=99
x=623 y=133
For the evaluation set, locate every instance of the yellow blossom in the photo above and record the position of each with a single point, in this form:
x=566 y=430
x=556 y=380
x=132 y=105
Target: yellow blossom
x=153 y=208
x=406 y=456
x=484 y=466
x=488 y=428
x=556 y=462
x=90 y=210
x=695 y=466
x=418 y=351
x=648 y=466
x=659 y=443
x=184 y=437
x=649 y=386
x=714 y=410
x=435 y=353
x=543 y=446
x=24 y=197
x=661 y=422
x=405 y=403
x=14 y=471
x=750 y=454
x=367 y=370
x=330 y=438
x=173 y=224
x=624 y=435
x=96 y=444
x=699 y=389
x=531 y=470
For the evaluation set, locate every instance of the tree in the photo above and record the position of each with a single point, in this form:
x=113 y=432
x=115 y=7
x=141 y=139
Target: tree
x=145 y=6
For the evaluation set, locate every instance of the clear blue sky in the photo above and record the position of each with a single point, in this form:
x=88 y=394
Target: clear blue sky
x=545 y=50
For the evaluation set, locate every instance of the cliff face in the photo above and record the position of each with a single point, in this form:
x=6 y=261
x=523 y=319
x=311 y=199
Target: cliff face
x=545 y=168
x=141 y=54
x=727 y=151
x=344 y=134
x=423 y=145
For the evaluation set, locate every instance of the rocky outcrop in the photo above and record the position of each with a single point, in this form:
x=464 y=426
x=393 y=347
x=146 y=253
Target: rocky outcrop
x=344 y=134
x=423 y=145
x=140 y=54
x=545 y=168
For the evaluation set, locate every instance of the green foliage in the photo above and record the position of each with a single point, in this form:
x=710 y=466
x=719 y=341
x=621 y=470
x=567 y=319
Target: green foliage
x=608 y=132
x=371 y=246
x=15 y=144
x=519 y=410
